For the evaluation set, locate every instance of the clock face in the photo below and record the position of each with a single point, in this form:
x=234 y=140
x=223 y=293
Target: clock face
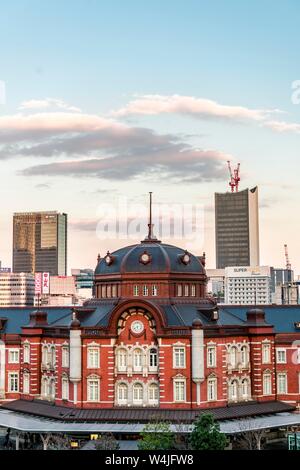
x=145 y=258
x=137 y=327
x=186 y=258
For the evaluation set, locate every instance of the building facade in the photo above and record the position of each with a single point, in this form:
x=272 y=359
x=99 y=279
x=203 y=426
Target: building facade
x=40 y=242
x=16 y=289
x=237 y=228
x=150 y=339
x=62 y=291
x=248 y=285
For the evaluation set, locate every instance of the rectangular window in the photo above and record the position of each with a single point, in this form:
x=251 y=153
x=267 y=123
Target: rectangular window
x=65 y=356
x=281 y=356
x=103 y=291
x=179 y=290
x=13 y=356
x=179 y=357
x=193 y=290
x=186 y=290
x=93 y=390
x=212 y=389
x=93 y=358
x=281 y=383
x=211 y=356
x=108 y=291
x=179 y=390
x=114 y=290
x=267 y=384
x=13 y=382
x=266 y=353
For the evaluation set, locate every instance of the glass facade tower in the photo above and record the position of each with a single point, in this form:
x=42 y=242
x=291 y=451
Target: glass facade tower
x=40 y=242
x=237 y=228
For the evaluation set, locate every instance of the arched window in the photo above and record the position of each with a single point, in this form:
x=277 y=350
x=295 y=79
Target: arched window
x=52 y=389
x=122 y=394
x=44 y=354
x=233 y=356
x=233 y=390
x=154 y=290
x=136 y=290
x=44 y=387
x=26 y=382
x=179 y=290
x=244 y=356
x=108 y=291
x=26 y=353
x=122 y=359
x=153 y=394
x=65 y=388
x=52 y=356
x=114 y=290
x=137 y=359
x=245 y=388
x=138 y=394
x=153 y=358
x=145 y=291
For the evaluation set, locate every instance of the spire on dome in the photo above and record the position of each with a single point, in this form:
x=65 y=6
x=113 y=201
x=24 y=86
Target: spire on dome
x=150 y=237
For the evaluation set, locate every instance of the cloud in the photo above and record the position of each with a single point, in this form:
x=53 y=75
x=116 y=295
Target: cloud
x=282 y=126
x=48 y=103
x=189 y=105
x=42 y=186
x=105 y=148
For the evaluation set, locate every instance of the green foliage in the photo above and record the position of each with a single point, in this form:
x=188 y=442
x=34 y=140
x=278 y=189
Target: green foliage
x=206 y=434
x=156 y=436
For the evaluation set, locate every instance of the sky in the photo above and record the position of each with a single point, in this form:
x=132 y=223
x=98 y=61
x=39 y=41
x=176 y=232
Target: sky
x=106 y=101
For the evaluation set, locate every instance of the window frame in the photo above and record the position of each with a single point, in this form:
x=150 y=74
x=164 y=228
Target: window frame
x=180 y=365
x=281 y=351
x=212 y=385
x=93 y=384
x=176 y=383
x=211 y=347
x=17 y=382
x=91 y=357
x=12 y=352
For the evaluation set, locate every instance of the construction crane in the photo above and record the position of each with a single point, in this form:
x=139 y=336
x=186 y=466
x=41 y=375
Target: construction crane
x=234 y=177
x=287 y=260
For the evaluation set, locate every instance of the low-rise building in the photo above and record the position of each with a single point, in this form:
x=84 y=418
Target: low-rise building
x=246 y=285
x=16 y=289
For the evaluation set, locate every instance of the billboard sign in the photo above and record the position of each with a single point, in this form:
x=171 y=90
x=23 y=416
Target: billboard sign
x=38 y=283
x=45 y=283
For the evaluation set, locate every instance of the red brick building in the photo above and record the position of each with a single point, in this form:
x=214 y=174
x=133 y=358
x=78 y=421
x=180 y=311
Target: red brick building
x=150 y=339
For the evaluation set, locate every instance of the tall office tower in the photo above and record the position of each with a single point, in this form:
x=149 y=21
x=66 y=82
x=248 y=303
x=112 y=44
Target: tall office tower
x=40 y=242
x=237 y=228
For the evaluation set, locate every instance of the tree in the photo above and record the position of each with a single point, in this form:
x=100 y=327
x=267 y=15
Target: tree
x=107 y=442
x=156 y=436
x=251 y=439
x=206 y=434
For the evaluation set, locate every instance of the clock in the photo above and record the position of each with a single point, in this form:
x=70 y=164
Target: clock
x=137 y=327
x=145 y=258
x=109 y=259
x=186 y=258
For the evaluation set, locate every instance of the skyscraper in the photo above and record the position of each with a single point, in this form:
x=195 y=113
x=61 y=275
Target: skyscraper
x=40 y=242
x=237 y=228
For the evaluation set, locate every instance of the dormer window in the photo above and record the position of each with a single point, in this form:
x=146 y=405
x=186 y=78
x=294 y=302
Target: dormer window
x=109 y=259
x=185 y=258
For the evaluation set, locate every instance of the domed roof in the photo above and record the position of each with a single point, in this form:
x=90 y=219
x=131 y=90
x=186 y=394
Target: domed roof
x=159 y=258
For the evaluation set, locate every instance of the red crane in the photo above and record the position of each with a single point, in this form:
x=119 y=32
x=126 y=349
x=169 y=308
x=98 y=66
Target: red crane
x=234 y=177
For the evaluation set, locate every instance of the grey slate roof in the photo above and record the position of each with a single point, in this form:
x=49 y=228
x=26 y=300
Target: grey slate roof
x=283 y=318
x=164 y=258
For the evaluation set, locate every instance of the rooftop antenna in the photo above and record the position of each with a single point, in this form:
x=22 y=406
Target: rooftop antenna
x=234 y=177
x=150 y=237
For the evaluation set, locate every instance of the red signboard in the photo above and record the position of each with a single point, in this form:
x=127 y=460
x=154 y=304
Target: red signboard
x=45 y=283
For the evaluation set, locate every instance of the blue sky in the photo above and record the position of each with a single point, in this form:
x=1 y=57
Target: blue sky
x=101 y=57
